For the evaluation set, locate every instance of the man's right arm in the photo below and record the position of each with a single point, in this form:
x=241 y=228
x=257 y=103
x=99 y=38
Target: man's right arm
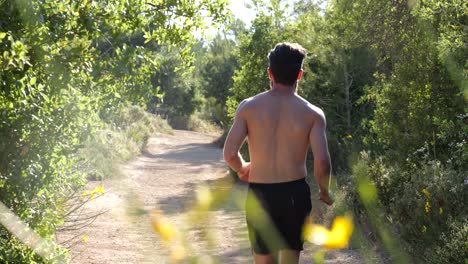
x=234 y=141
x=322 y=164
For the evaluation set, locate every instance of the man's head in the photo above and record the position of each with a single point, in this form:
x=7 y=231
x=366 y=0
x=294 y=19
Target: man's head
x=286 y=61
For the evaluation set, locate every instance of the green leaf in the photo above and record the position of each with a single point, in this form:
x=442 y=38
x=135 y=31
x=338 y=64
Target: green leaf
x=46 y=98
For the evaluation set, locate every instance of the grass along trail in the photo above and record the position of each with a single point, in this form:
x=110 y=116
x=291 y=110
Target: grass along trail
x=166 y=178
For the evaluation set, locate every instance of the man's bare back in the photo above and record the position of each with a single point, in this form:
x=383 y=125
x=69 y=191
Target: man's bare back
x=279 y=125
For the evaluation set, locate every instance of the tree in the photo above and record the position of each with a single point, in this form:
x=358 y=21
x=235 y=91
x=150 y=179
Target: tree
x=251 y=77
x=416 y=95
x=180 y=94
x=336 y=71
x=216 y=72
x=417 y=123
x=64 y=65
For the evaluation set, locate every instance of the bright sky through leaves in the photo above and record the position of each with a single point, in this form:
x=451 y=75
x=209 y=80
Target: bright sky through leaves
x=240 y=10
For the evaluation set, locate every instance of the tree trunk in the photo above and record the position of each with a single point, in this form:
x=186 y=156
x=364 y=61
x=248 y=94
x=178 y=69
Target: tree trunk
x=347 y=86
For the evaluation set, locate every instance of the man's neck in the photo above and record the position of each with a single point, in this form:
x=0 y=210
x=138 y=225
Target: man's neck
x=283 y=88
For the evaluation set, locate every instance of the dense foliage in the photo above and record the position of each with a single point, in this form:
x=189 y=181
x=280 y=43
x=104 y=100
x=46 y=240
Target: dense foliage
x=391 y=78
x=65 y=67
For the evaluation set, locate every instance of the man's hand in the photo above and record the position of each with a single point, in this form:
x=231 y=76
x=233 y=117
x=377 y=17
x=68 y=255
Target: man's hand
x=326 y=198
x=244 y=172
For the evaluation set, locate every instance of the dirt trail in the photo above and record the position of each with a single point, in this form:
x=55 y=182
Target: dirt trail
x=166 y=177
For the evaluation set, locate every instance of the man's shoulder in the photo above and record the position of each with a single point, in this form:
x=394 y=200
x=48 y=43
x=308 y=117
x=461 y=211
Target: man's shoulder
x=311 y=108
x=258 y=96
x=245 y=104
x=251 y=100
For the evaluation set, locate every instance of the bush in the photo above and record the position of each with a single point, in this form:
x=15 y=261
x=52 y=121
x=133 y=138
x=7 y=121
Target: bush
x=126 y=134
x=214 y=112
x=426 y=207
x=198 y=124
x=431 y=201
x=137 y=124
x=453 y=247
x=194 y=122
x=103 y=151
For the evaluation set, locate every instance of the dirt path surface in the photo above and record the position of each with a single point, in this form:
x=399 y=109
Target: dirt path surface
x=166 y=177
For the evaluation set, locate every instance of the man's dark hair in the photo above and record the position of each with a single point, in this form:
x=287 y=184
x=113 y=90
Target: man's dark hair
x=286 y=61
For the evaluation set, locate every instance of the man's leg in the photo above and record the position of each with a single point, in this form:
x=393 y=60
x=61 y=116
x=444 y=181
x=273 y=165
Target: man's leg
x=265 y=259
x=289 y=256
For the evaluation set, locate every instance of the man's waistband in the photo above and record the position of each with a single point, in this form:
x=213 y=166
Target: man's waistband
x=274 y=185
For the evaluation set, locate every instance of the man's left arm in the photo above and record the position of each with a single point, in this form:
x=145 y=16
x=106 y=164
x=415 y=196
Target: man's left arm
x=234 y=141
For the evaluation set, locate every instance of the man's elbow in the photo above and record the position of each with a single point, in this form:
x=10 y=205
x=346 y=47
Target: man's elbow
x=229 y=155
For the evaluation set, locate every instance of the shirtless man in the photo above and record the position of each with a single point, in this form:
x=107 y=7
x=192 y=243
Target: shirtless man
x=279 y=125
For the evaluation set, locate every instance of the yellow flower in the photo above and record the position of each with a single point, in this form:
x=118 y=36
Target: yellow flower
x=340 y=234
x=316 y=234
x=84 y=238
x=349 y=136
x=337 y=237
x=427 y=207
x=178 y=253
x=426 y=193
x=99 y=189
x=204 y=197
x=163 y=227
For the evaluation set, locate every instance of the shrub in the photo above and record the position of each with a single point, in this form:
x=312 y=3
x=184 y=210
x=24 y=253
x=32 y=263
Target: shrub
x=194 y=122
x=432 y=200
x=426 y=206
x=103 y=151
x=198 y=124
x=453 y=247
x=125 y=134
x=137 y=124
x=214 y=112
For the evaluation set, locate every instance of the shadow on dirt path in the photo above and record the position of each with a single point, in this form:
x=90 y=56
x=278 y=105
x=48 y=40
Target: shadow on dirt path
x=166 y=177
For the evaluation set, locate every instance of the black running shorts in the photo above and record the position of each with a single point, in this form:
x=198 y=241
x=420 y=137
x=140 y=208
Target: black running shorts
x=285 y=206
